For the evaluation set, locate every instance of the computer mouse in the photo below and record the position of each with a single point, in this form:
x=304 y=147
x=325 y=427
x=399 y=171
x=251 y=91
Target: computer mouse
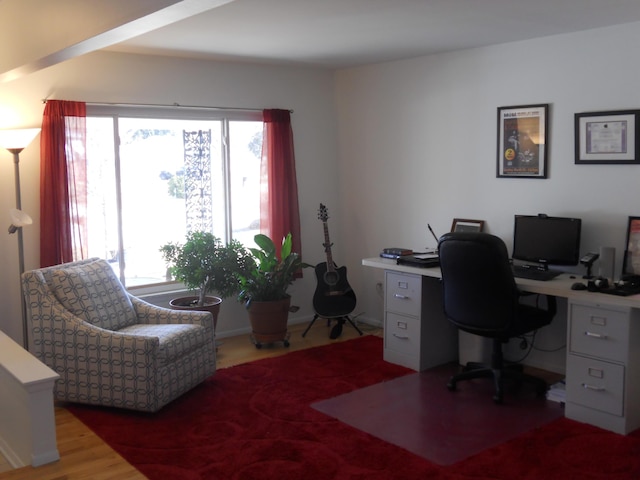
x=578 y=286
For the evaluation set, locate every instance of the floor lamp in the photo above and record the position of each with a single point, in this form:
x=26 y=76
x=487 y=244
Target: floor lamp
x=15 y=141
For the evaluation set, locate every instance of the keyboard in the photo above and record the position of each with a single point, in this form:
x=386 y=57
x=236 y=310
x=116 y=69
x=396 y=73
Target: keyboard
x=532 y=273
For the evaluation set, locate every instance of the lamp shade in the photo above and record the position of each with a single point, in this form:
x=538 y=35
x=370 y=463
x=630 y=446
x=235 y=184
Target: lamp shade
x=17 y=139
x=19 y=218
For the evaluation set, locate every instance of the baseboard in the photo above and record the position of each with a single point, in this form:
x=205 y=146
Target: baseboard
x=358 y=318
x=10 y=455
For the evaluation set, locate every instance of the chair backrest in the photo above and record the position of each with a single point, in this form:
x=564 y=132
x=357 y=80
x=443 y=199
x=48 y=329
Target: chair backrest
x=89 y=289
x=480 y=293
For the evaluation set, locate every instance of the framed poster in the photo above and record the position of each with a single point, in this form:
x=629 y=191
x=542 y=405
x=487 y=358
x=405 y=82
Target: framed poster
x=463 y=225
x=603 y=138
x=522 y=141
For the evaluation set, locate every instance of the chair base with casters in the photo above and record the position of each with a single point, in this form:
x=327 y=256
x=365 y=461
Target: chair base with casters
x=498 y=371
x=336 y=331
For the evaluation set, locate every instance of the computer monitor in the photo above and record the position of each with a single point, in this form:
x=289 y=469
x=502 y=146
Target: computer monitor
x=546 y=240
x=631 y=263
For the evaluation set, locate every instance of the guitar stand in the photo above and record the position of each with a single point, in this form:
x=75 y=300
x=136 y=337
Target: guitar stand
x=336 y=331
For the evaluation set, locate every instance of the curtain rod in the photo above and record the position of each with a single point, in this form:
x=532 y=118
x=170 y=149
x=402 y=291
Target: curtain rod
x=175 y=104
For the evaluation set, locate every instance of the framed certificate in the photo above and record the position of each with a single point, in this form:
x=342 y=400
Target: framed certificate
x=607 y=138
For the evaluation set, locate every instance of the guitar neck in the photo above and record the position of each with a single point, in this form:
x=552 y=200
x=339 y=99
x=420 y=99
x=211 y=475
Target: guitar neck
x=327 y=247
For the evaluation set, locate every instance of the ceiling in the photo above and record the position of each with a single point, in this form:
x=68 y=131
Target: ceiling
x=344 y=33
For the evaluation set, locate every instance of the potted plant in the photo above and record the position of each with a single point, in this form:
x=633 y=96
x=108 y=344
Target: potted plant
x=205 y=265
x=263 y=289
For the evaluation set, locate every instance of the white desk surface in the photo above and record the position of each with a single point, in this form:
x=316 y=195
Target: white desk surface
x=558 y=287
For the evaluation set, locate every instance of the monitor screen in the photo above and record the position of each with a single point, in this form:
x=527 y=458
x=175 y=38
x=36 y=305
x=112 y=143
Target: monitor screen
x=547 y=240
x=631 y=263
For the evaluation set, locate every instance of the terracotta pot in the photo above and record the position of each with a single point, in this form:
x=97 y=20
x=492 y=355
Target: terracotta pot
x=212 y=305
x=269 y=321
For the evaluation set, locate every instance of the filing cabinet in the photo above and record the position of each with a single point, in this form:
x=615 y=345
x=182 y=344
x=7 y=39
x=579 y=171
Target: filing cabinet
x=417 y=335
x=603 y=366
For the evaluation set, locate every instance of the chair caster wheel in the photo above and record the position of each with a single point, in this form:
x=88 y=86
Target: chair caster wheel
x=451 y=386
x=286 y=343
x=258 y=346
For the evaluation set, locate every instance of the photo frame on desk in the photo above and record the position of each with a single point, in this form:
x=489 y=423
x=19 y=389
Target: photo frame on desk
x=607 y=138
x=522 y=141
x=464 y=225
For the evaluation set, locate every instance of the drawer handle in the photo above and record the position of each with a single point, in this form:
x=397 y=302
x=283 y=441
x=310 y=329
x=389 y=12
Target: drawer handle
x=596 y=335
x=401 y=337
x=403 y=297
x=592 y=387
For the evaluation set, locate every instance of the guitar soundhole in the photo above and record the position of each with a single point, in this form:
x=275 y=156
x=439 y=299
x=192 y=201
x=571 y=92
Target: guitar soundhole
x=331 y=278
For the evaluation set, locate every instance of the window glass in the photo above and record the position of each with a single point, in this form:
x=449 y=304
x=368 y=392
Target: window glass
x=102 y=207
x=246 y=150
x=166 y=177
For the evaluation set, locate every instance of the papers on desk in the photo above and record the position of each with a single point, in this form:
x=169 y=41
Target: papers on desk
x=557 y=392
x=424 y=260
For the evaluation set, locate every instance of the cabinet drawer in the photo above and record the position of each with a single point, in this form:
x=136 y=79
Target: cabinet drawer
x=404 y=293
x=595 y=384
x=402 y=334
x=598 y=332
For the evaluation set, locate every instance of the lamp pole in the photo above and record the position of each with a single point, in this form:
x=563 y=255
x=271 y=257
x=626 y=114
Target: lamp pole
x=23 y=312
x=15 y=141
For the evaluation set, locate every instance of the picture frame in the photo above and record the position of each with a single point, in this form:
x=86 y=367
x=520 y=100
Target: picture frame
x=465 y=225
x=631 y=262
x=607 y=138
x=522 y=141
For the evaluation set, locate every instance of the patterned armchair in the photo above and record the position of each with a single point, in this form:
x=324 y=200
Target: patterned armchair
x=109 y=347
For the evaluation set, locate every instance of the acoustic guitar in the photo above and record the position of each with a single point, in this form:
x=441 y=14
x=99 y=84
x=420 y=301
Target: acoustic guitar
x=333 y=297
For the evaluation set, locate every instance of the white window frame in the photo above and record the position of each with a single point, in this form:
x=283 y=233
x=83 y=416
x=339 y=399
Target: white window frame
x=116 y=111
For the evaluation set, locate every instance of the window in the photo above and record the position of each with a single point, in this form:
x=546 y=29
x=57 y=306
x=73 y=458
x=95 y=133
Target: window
x=153 y=175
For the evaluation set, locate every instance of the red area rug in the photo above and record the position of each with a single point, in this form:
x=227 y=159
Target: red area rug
x=255 y=421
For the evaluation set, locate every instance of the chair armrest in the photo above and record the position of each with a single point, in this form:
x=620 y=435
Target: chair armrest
x=148 y=313
x=551 y=304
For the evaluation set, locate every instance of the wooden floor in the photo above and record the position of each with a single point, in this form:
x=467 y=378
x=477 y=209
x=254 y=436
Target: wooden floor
x=84 y=456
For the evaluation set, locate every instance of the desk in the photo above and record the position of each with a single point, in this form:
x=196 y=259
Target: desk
x=603 y=340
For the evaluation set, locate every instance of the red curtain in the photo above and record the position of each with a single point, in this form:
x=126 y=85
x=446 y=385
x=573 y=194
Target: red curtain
x=63 y=192
x=279 y=213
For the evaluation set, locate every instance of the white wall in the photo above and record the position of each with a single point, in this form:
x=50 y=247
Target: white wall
x=111 y=77
x=418 y=145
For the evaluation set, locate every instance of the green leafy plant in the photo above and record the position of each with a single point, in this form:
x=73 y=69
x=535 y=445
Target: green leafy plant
x=205 y=265
x=270 y=275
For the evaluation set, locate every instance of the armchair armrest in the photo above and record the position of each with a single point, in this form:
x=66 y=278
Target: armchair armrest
x=79 y=332
x=152 y=314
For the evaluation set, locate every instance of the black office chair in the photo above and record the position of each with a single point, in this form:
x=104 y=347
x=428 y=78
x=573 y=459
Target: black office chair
x=481 y=297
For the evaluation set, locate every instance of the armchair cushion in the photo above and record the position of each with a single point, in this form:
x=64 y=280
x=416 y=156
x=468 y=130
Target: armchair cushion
x=93 y=292
x=175 y=340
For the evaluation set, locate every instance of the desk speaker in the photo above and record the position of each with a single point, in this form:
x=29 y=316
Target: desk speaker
x=607 y=262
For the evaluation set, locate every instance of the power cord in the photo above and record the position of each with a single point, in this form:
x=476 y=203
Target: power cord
x=524 y=344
